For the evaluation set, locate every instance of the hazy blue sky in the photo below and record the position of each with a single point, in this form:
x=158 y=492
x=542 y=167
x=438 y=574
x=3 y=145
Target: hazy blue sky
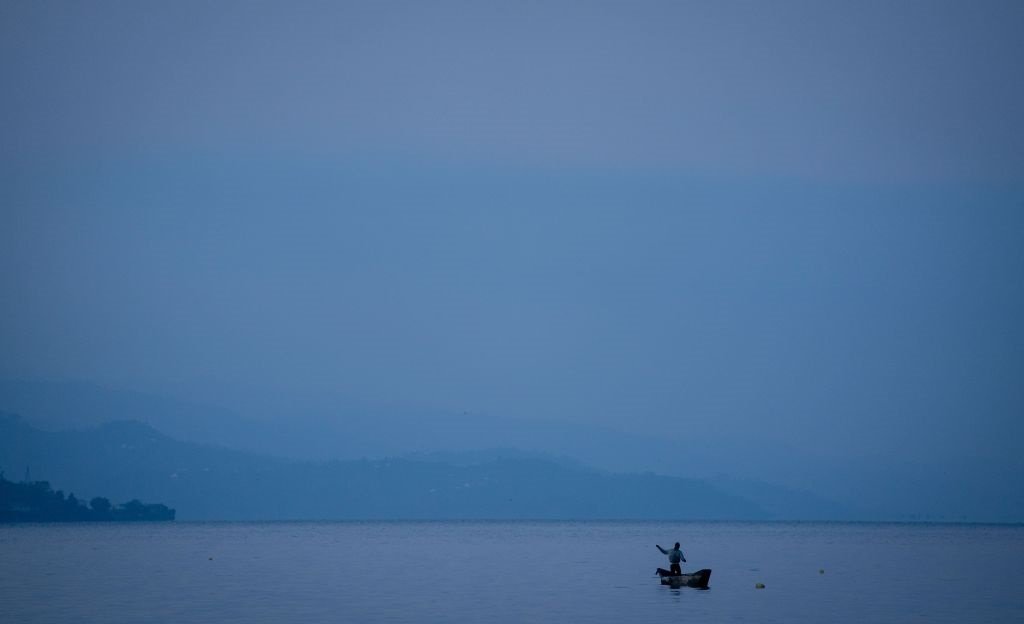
x=796 y=222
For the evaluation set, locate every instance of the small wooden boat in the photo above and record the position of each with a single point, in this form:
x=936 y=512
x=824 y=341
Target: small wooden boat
x=698 y=579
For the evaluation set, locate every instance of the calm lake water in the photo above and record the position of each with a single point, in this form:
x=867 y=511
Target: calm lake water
x=508 y=572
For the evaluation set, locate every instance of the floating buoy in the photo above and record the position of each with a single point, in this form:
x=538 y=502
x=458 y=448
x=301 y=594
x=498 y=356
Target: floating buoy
x=759 y=586
x=211 y=558
x=821 y=571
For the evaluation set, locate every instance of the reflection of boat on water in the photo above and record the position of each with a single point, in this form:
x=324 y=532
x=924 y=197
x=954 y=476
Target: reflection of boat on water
x=698 y=579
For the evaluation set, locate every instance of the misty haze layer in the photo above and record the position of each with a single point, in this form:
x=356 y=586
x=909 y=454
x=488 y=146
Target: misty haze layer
x=779 y=243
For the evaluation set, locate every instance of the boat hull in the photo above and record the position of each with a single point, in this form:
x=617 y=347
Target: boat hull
x=698 y=579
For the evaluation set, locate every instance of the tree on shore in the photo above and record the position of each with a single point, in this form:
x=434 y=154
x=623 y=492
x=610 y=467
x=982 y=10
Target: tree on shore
x=37 y=502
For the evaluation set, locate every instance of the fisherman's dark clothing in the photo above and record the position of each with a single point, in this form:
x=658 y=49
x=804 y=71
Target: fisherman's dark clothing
x=674 y=557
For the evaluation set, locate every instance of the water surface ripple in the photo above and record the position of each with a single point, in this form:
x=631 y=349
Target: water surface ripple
x=507 y=572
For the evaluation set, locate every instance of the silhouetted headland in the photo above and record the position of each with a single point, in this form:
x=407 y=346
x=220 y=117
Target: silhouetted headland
x=36 y=501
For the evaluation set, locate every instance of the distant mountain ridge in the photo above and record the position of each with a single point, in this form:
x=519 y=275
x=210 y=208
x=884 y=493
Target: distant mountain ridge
x=460 y=440
x=353 y=431
x=131 y=459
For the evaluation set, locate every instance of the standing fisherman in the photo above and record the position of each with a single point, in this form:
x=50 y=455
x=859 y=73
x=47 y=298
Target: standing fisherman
x=674 y=557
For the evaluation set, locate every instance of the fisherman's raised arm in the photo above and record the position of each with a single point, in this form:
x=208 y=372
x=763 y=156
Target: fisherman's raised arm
x=663 y=551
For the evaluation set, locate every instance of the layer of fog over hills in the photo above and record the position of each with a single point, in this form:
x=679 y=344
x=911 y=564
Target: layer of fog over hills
x=369 y=431
x=798 y=486
x=213 y=483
